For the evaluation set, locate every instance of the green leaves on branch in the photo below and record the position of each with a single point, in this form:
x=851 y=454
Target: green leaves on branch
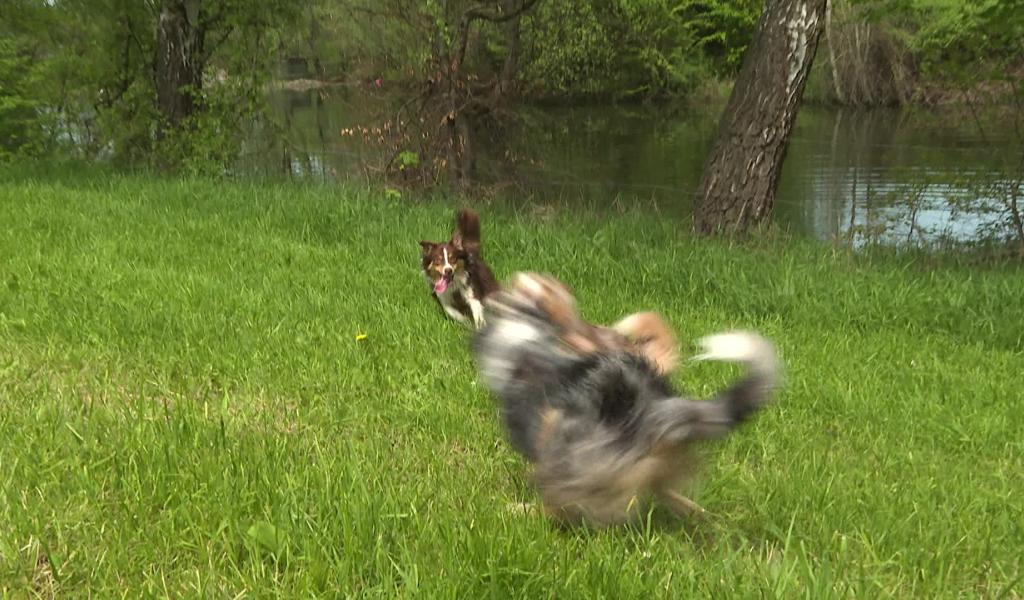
x=616 y=48
x=78 y=76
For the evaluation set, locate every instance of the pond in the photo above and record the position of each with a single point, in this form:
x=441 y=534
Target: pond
x=888 y=176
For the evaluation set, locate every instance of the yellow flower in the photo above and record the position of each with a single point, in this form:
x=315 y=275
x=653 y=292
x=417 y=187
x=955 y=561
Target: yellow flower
x=361 y=336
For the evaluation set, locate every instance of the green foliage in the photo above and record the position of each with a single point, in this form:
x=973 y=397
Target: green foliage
x=44 y=80
x=592 y=48
x=611 y=48
x=233 y=97
x=924 y=49
x=650 y=48
x=408 y=159
x=19 y=111
x=365 y=39
x=721 y=29
x=205 y=143
x=967 y=34
x=79 y=77
x=76 y=76
x=581 y=62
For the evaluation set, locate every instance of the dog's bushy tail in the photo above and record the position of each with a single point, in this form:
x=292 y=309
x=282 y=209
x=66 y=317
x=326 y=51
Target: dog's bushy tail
x=748 y=349
x=467 y=237
x=679 y=420
x=467 y=226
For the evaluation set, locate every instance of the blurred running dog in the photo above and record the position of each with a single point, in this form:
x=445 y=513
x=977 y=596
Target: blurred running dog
x=457 y=273
x=601 y=424
x=645 y=334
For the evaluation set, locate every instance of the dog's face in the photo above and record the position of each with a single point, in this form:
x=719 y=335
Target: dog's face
x=442 y=261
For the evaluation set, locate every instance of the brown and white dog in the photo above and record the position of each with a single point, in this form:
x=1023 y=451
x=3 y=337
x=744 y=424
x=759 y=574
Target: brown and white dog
x=457 y=273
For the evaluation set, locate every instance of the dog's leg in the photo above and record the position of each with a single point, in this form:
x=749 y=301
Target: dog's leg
x=454 y=314
x=680 y=504
x=477 y=309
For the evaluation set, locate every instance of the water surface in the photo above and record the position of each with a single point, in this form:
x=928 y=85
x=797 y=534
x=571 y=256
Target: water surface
x=885 y=175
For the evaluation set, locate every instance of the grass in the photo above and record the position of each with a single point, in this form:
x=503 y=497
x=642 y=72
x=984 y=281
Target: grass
x=185 y=410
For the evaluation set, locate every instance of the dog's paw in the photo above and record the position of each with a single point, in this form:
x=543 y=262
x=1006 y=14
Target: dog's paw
x=522 y=508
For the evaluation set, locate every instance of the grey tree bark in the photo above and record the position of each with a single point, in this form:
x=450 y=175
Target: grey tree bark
x=179 y=61
x=741 y=174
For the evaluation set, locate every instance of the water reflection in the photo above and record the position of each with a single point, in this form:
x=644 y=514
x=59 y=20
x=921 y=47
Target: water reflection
x=888 y=176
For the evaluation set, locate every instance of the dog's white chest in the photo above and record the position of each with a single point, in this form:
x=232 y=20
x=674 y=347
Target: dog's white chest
x=460 y=292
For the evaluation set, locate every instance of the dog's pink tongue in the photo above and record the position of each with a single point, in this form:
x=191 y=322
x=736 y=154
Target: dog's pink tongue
x=440 y=285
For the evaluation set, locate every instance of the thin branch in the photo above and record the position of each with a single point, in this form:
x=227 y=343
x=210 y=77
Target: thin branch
x=135 y=37
x=481 y=13
x=974 y=114
x=209 y=49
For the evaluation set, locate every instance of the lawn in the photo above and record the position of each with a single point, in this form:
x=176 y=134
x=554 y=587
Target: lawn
x=186 y=410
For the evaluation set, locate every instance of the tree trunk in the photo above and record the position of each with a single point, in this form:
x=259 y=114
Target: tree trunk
x=830 y=35
x=741 y=174
x=461 y=160
x=179 y=61
x=510 y=69
x=314 y=43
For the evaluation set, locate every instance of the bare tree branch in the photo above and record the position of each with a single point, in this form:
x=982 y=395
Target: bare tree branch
x=480 y=12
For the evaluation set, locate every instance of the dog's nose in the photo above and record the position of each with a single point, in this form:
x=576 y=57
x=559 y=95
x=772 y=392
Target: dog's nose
x=447 y=270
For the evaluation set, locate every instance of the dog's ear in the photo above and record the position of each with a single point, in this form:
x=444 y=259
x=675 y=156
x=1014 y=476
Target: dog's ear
x=457 y=240
x=427 y=247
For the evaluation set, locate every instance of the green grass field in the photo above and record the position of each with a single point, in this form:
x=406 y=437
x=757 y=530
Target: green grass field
x=185 y=410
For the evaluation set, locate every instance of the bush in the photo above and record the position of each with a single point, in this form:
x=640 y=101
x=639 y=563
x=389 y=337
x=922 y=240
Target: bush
x=620 y=48
x=19 y=111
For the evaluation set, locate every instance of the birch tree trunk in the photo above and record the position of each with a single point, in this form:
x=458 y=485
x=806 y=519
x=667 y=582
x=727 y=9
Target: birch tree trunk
x=741 y=174
x=830 y=37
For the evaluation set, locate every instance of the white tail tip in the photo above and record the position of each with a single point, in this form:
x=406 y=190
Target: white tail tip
x=740 y=347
